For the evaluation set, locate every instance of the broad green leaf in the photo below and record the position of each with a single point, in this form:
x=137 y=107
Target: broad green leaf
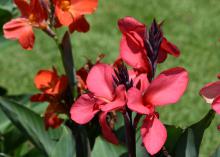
x=189 y=143
x=217 y=153
x=31 y=124
x=103 y=148
x=140 y=149
x=65 y=146
x=173 y=134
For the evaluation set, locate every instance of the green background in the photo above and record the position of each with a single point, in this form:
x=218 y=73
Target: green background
x=194 y=26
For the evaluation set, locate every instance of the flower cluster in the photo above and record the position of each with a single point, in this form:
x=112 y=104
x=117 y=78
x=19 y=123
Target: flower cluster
x=53 y=88
x=117 y=88
x=46 y=16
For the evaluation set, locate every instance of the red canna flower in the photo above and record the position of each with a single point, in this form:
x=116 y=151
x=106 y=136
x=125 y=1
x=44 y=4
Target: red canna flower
x=32 y=15
x=53 y=89
x=138 y=47
x=103 y=96
x=144 y=97
x=69 y=11
x=211 y=93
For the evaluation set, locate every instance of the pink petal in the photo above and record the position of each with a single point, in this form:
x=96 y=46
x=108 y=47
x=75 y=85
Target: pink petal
x=128 y=24
x=168 y=87
x=84 y=109
x=210 y=91
x=100 y=81
x=132 y=51
x=141 y=82
x=106 y=130
x=135 y=102
x=153 y=134
x=216 y=105
x=20 y=29
x=118 y=102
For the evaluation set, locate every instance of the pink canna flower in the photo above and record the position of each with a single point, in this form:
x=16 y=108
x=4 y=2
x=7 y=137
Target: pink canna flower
x=139 y=48
x=144 y=97
x=32 y=15
x=211 y=93
x=104 y=95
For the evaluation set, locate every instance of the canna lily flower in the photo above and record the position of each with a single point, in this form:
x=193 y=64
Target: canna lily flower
x=211 y=93
x=21 y=28
x=53 y=88
x=69 y=11
x=105 y=95
x=138 y=47
x=144 y=97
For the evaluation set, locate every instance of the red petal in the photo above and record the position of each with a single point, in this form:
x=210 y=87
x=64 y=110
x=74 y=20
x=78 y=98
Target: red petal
x=128 y=24
x=38 y=10
x=135 y=102
x=20 y=29
x=100 y=81
x=216 y=105
x=153 y=134
x=132 y=51
x=118 y=102
x=106 y=130
x=210 y=91
x=168 y=87
x=170 y=48
x=81 y=7
x=83 y=110
x=80 y=25
x=24 y=7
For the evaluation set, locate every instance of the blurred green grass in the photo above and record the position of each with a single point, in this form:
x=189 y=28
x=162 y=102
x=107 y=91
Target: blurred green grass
x=192 y=25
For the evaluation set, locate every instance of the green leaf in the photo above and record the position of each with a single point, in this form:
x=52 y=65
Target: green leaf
x=32 y=125
x=217 y=153
x=65 y=146
x=140 y=149
x=189 y=143
x=103 y=148
x=173 y=134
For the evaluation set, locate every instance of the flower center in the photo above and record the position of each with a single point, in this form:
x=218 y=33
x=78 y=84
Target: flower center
x=32 y=18
x=65 y=5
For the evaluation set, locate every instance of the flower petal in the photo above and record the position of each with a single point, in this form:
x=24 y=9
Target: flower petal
x=45 y=79
x=168 y=87
x=38 y=10
x=216 y=105
x=135 y=102
x=128 y=24
x=83 y=110
x=153 y=134
x=64 y=17
x=210 y=91
x=100 y=81
x=81 y=7
x=118 y=102
x=132 y=51
x=20 y=29
x=170 y=48
x=141 y=82
x=24 y=7
x=80 y=25
x=106 y=130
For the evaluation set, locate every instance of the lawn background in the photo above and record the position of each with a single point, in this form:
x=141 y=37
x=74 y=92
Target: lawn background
x=192 y=25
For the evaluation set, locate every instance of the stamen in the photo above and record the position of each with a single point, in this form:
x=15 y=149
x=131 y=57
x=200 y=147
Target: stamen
x=65 y=5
